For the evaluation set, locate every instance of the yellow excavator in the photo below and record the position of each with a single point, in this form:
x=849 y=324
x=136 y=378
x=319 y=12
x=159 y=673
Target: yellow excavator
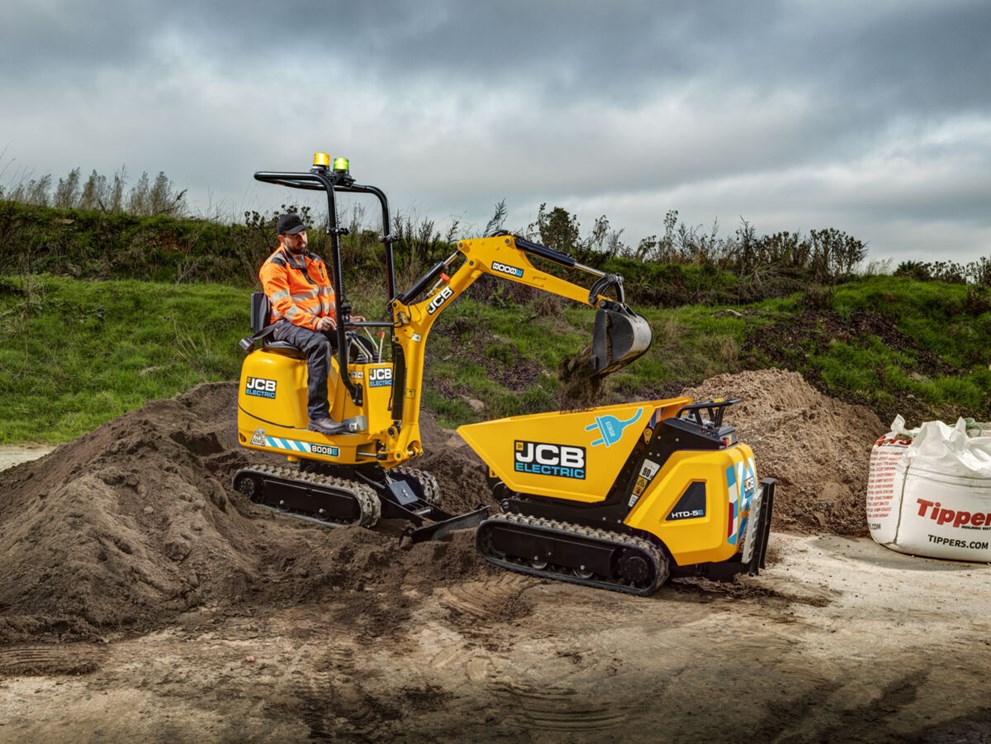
x=620 y=497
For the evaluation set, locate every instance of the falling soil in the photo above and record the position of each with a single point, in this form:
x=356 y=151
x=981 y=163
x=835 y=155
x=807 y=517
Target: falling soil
x=580 y=386
x=142 y=598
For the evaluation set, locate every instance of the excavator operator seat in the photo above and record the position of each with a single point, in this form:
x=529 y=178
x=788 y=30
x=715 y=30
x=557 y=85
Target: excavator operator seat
x=261 y=311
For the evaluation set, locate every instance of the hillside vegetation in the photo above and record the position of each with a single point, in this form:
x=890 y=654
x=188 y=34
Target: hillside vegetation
x=112 y=297
x=687 y=264
x=77 y=353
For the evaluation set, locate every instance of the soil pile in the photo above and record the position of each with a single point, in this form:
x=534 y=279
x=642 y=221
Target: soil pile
x=817 y=447
x=458 y=470
x=135 y=523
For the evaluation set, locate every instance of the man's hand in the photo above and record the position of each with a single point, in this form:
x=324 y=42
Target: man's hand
x=326 y=323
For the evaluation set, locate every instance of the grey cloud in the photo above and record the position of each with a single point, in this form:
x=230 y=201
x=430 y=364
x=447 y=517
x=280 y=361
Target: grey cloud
x=926 y=59
x=628 y=51
x=631 y=107
x=917 y=56
x=61 y=42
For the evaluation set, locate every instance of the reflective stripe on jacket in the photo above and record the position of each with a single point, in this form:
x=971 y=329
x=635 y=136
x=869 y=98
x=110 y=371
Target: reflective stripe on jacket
x=298 y=288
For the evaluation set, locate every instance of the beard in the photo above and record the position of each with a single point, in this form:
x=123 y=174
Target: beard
x=297 y=248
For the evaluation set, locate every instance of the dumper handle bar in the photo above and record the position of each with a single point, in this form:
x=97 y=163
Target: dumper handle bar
x=715 y=408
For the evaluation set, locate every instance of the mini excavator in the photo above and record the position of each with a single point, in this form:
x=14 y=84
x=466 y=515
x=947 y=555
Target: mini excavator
x=620 y=497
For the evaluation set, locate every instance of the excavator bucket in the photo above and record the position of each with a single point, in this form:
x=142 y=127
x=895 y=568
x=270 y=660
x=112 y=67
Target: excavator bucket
x=620 y=336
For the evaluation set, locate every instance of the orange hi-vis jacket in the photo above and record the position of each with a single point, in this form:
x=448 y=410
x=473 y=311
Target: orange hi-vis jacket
x=298 y=288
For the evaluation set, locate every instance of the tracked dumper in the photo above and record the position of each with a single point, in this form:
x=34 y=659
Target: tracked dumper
x=623 y=497
x=619 y=497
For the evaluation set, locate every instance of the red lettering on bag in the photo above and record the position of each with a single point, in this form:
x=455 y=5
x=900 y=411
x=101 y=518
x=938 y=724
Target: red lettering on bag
x=946 y=516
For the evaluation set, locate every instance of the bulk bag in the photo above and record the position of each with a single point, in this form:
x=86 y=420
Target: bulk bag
x=929 y=491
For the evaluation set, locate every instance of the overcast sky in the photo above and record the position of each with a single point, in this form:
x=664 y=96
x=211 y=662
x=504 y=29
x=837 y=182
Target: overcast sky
x=870 y=117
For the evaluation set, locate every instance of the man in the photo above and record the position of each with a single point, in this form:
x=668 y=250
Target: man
x=304 y=310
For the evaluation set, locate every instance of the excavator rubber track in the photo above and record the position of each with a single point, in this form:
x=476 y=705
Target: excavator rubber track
x=427 y=482
x=323 y=499
x=574 y=553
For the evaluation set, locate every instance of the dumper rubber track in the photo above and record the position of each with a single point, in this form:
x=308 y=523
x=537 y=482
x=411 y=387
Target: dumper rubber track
x=574 y=553
x=320 y=498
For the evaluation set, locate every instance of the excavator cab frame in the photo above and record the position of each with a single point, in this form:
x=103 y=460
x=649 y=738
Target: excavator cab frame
x=331 y=181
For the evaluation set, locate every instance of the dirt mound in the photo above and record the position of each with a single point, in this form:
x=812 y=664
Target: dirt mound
x=135 y=523
x=817 y=447
x=458 y=470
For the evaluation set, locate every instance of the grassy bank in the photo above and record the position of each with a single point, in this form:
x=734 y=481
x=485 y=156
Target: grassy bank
x=75 y=354
x=894 y=344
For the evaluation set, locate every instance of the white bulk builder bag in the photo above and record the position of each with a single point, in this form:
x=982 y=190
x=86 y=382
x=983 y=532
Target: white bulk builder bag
x=929 y=491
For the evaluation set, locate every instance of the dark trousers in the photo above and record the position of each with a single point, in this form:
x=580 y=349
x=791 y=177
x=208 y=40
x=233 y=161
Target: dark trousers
x=317 y=348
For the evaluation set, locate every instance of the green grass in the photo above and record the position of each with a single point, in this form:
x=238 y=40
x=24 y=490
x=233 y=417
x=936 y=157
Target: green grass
x=75 y=354
x=932 y=313
x=936 y=355
x=501 y=356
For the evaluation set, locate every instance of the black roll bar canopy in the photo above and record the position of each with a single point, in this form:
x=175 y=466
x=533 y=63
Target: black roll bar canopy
x=321 y=178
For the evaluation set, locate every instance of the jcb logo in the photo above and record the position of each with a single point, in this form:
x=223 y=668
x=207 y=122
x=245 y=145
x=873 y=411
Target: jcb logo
x=260 y=387
x=503 y=268
x=542 y=458
x=380 y=377
x=443 y=296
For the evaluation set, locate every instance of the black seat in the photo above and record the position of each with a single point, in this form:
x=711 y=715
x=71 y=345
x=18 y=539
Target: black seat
x=261 y=311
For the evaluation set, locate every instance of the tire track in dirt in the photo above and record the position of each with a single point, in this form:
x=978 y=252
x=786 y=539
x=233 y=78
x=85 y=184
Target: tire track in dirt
x=51 y=659
x=495 y=599
x=556 y=708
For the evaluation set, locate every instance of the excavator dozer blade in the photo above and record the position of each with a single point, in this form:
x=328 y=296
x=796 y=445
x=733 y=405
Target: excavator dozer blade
x=620 y=336
x=437 y=530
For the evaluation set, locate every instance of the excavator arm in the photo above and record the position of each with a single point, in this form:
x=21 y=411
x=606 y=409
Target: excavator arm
x=620 y=336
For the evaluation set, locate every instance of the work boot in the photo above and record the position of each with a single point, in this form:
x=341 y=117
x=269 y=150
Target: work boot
x=327 y=426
